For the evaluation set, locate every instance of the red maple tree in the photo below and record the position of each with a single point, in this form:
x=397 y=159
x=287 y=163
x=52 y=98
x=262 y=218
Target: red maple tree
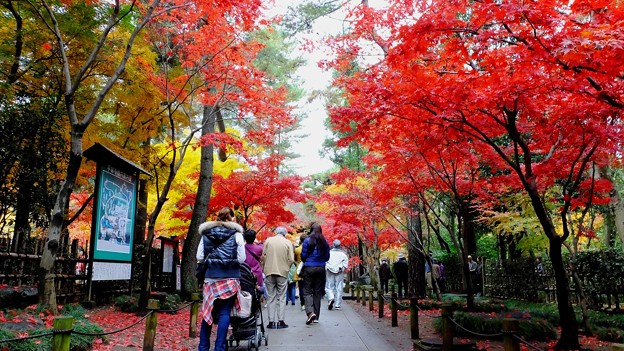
x=534 y=91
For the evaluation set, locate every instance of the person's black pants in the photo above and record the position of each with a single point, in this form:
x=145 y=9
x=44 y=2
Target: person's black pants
x=402 y=283
x=384 y=285
x=313 y=289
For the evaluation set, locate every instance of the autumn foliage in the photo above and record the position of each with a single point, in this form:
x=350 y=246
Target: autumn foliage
x=521 y=96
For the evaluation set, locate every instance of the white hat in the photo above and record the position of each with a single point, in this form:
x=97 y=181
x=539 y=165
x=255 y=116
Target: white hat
x=401 y=256
x=281 y=231
x=336 y=243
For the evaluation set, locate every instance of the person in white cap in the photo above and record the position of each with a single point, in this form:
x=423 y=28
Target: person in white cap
x=277 y=257
x=335 y=268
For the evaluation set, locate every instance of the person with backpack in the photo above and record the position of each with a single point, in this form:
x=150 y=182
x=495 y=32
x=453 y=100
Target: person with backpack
x=222 y=249
x=254 y=254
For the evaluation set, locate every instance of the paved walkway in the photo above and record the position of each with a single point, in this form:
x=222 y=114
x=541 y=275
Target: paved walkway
x=342 y=330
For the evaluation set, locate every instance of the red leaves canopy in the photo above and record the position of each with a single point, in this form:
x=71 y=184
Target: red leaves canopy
x=532 y=92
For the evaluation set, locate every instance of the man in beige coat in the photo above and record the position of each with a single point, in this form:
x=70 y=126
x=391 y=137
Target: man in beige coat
x=277 y=257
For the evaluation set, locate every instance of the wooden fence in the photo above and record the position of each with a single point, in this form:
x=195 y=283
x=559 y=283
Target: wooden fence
x=526 y=284
x=19 y=262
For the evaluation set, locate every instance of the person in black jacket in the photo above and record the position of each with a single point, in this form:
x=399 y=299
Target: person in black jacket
x=401 y=272
x=384 y=274
x=222 y=247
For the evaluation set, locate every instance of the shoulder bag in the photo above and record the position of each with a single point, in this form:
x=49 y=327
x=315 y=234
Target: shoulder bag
x=244 y=300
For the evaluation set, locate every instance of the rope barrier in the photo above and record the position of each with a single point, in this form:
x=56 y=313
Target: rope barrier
x=115 y=331
x=6 y=341
x=527 y=343
x=177 y=309
x=419 y=309
x=475 y=333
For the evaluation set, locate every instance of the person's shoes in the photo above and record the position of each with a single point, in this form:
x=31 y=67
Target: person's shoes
x=303 y=307
x=293 y=303
x=271 y=325
x=331 y=304
x=281 y=325
x=316 y=321
x=337 y=308
x=311 y=318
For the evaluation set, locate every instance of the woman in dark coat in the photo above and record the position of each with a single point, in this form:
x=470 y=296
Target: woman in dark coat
x=314 y=254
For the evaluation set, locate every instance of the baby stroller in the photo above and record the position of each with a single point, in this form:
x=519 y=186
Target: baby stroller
x=252 y=327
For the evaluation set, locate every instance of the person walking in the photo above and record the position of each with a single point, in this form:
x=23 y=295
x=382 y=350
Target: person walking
x=436 y=273
x=335 y=267
x=253 y=252
x=401 y=273
x=472 y=268
x=277 y=258
x=384 y=274
x=314 y=254
x=222 y=247
x=298 y=277
x=291 y=288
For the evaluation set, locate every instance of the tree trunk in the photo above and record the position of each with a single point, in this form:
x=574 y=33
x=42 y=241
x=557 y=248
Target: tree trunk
x=141 y=218
x=416 y=277
x=200 y=209
x=45 y=274
x=466 y=225
x=569 y=326
x=22 y=214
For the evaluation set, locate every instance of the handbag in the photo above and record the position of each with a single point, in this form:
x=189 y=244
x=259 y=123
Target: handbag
x=299 y=268
x=244 y=300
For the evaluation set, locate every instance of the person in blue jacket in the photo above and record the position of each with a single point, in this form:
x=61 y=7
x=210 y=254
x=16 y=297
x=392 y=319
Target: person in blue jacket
x=314 y=254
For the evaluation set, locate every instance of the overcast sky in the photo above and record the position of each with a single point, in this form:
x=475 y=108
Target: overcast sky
x=314 y=78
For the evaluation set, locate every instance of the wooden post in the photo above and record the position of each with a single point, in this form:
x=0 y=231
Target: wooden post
x=510 y=328
x=150 y=325
x=364 y=296
x=370 y=299
x=414 y=330
x=357 y=296
x=380 y=300
x=447 y=327
x=394 y=308
x=62 y=333
x=194 y=312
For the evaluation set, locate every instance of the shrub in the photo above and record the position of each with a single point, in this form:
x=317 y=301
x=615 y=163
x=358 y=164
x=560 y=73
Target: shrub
x=127 y=303
x=84 y=342
x=74 y=310
x=487 y=324
x=172 y=301
x=609 y=334
x=25 y=345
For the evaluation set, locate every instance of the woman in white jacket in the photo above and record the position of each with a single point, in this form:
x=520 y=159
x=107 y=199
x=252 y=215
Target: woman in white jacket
x=334 y=269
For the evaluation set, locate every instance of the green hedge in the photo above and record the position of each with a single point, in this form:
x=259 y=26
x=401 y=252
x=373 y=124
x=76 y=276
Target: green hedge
x=488 y=324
